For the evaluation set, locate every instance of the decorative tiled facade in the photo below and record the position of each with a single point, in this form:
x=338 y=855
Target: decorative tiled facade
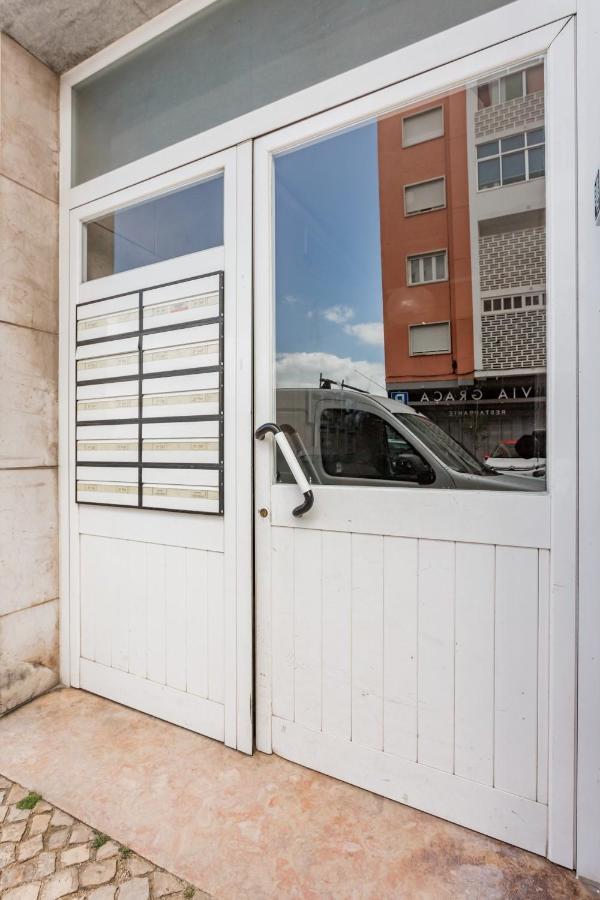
x=512 y=259
x=514 y=340
x=512 y=116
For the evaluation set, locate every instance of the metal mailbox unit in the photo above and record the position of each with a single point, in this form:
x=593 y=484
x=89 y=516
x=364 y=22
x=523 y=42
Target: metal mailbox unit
x=150 y=379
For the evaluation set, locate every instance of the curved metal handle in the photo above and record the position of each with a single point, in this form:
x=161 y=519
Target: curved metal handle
x=295 y=468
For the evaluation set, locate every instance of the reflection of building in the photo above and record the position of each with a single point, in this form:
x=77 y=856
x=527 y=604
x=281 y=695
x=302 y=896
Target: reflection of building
x=462 y=183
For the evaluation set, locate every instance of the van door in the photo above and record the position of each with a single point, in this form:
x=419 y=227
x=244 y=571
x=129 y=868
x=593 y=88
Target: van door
x=416 y=639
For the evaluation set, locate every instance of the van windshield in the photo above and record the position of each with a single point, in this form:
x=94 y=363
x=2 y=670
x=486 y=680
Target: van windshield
x=443 y=446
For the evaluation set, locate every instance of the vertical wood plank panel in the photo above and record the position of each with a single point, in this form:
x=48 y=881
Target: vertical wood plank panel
x=337 y=634
x=120 y=578
x=196 y=613
x=91 y=567
x=216 y=627
x=400 y=558
x=175 y=617
x=307 y=628
x=156 y=622
x=515 y=755
x=367 y=640
x=103 y=598
x=474 y=663
x=282 y=606
x=137 y=608
x=436 y=655
x=543 y=673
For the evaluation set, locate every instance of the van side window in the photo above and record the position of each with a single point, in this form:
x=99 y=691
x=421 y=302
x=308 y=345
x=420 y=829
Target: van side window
x=360 y=444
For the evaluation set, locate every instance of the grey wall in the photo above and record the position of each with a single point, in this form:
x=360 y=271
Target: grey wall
x=236 y=56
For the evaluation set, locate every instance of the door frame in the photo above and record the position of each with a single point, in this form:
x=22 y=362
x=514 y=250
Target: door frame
x=236 y=261
x=559 y=504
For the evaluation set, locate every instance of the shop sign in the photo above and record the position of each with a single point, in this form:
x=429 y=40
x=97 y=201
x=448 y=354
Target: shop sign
x=472 y=395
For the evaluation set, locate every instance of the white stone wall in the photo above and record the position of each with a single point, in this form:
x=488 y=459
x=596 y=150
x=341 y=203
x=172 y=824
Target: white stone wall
x=514 y=340
x=28 y=375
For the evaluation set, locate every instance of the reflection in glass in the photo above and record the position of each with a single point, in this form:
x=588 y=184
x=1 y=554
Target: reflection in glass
x=174 y=224
x=410 y=294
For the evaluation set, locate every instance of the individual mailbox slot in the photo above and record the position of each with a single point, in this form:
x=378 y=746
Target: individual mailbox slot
x=114 y=346
x=199 y=381
x=180 y=497
x=185 y=309
x=127 y=474
x=188 y=356
x=196 y=334
x=114 y=493
x=182 y=429
x=181 y=450
x=113 y=362
x=185 y=403
x=102 y=391
x=189 y=477
x=97 y=408
x=204 y=284
x=95 y=432
x=115 y=450
x=108 y=318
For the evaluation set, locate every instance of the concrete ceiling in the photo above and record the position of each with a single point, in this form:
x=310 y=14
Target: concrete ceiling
x=62 y=33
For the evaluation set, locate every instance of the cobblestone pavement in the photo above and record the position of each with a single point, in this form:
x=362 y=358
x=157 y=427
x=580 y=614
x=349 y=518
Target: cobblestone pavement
x=45 y=854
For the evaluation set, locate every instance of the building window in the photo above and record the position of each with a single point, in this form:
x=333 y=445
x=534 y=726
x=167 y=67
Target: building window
x=426 y=268
x=422 y=126
x=520 y=157
x=513 y=303
x=429 y=339
x=425 y=196
x=511 y=87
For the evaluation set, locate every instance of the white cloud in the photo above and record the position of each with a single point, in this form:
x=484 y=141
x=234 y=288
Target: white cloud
x=303 y=370
x=367 y=332
x=338 y=314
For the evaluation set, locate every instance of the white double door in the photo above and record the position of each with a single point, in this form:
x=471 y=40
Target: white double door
x=414 y=641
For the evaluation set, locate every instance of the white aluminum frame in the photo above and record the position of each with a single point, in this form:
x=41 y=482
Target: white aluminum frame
x=557 y=41
x=518 y=30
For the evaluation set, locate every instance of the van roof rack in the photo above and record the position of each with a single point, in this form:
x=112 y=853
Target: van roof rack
x=327 y=384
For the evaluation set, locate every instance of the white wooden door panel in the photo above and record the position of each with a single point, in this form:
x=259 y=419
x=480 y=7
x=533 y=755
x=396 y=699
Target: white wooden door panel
x=435 y=654
x=417 y=639
x=474 y=662
x=400 y=639
x=159 y=416
x=336 y=598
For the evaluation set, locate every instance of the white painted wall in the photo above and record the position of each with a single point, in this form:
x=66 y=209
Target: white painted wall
x=588 y=774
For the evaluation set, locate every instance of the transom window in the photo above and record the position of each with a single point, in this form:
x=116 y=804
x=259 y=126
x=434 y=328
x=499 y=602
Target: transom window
x=508 y=160
x=427 y=267
x=511 y=87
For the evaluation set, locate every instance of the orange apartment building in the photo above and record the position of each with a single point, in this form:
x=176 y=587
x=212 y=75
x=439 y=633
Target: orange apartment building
x=463 y=258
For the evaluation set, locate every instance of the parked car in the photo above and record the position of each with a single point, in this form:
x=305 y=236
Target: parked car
x=343 y=436
x=523 y=456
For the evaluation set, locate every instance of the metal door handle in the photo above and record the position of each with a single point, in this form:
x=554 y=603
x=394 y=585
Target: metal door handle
x=295 y=468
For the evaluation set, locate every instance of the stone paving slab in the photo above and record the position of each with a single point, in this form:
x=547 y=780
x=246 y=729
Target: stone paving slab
x=46 y=854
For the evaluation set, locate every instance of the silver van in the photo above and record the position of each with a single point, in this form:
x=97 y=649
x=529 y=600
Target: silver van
x=345 y=436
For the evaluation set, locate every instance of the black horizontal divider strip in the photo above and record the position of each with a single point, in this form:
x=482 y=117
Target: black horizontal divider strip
x=138 y=379
x=150 y=420
x=170 y=373
x=98 y=464
x=159 y=329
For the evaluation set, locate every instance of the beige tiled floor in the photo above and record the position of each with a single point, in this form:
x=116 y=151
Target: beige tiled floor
x=251 y=827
